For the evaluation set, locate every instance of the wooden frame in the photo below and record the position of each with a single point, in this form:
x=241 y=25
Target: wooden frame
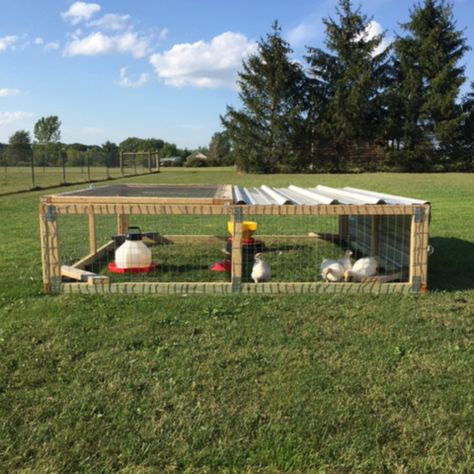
x=220 y=204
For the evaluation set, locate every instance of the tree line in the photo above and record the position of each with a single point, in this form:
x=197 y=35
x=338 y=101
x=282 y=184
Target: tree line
x=357 y=105
x=47 y=150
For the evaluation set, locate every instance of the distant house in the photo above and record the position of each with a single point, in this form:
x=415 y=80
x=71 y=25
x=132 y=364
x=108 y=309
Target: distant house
x=197 y=155
x=171 y=161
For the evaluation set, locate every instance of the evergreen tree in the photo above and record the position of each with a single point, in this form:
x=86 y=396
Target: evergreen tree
x=465 y=149
x=430 y=81
x=347 y=81
x=266 y=134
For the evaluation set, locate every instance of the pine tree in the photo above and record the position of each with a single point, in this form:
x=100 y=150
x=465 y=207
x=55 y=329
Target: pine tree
x=347 y=82
x=430 y=81
x=465 y=149
x=266 y=134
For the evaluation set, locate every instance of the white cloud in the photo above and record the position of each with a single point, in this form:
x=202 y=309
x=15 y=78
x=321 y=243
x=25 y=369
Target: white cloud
x=7 y=118
x=201 y=64
x=52 y=46
x=7 y=42
x=163 y=33
x=303 y=32
x=98 y=43
x=127 y=82
x=111 y=21
x=8 y=92
x=80 y=11
x=373 y=29
x=38 y=41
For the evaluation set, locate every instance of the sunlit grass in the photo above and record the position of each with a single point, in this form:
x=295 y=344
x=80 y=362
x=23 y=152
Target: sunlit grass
x=308 y=383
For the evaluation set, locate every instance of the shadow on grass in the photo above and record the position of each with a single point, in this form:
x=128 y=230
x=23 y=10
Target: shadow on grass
x=451 y=267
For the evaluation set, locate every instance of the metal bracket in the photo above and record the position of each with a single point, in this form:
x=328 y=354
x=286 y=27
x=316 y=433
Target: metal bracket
x=418 y=215
x=55 y=284
x=236 y=285
x=416 y=285
x=51 y=213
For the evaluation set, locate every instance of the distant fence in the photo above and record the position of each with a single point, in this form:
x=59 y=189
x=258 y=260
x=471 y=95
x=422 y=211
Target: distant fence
x=30 y=176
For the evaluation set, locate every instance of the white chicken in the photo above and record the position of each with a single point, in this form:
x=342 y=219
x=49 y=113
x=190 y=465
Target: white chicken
x=333 y=270
x=346 y=261
x=363 y=268
x=261 y=270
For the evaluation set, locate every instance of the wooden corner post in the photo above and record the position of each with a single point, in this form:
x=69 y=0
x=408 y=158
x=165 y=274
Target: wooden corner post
x=236 y=268
x=92 y=230
x=122 y=223
x=50 y=248
x=419 y=248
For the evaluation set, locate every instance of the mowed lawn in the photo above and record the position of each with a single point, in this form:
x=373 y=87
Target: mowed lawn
x=305 y=383
x=19 y=178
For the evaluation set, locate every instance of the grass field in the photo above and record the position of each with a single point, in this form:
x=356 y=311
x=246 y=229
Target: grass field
x=18 y=178
x=305 y=383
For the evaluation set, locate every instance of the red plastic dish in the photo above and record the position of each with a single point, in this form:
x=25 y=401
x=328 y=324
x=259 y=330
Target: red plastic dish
x=114 y=269
x=221 y=266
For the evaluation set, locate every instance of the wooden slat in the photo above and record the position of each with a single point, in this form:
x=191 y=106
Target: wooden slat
x=320 y=287
x=52 y=248
x=162 y=288
x=92 y=231
x=68 y=199
x=91 y=258
x=82 y=275
x=122 y=223
x=223 y=194
x=236 y=268
x=187 y=207
x=44 y=245
x=248 y=288
x=383 y=278
x=144 y=209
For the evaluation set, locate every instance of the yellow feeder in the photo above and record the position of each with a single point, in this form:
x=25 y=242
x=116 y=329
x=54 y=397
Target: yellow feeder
x=248 y=228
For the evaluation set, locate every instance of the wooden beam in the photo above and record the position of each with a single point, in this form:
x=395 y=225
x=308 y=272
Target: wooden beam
x=91 y=258
x=383 y=278
x=236 y=267
x=50 y=248
x=44 y=245
x=248 y=288
x=122 y=223
x=163 y=288
x=82 y=275
x=92 y=231
x=223 y=194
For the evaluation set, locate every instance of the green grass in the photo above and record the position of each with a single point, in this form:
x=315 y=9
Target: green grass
x=301 y=383
x=18 y=178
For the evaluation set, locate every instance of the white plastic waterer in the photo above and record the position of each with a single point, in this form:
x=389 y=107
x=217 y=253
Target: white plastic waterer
x=133 y=253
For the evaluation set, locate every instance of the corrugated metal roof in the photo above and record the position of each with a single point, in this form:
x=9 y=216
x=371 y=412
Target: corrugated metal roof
x=317 y=195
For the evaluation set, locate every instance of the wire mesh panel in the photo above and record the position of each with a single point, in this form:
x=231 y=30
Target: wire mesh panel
x=229 y=248
x=293 y=246
x=384 y=238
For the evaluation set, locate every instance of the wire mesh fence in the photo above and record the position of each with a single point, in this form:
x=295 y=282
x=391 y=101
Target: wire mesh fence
x=34 y=175
x=199 y=248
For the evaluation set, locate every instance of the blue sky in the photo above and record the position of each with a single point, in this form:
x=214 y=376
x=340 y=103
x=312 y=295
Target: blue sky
x=111 y=69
